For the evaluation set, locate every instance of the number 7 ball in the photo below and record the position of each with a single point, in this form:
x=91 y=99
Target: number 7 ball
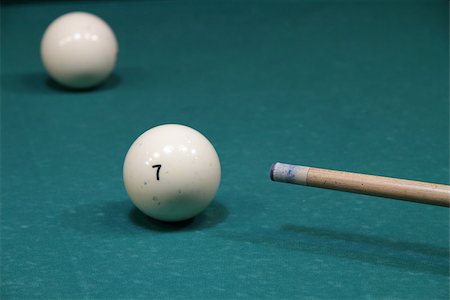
x=171 y=172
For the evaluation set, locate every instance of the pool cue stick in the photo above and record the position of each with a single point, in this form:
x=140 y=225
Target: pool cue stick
x=408 y=190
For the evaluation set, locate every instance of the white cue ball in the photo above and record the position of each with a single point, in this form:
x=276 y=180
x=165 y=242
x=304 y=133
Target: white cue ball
x=79 y=50
x=171 y=172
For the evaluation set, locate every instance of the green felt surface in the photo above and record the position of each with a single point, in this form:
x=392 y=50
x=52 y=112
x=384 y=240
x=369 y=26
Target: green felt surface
x=353 y=85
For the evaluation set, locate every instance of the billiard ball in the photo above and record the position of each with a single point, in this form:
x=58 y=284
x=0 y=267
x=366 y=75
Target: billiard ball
x=79 y=50
x=171 y=172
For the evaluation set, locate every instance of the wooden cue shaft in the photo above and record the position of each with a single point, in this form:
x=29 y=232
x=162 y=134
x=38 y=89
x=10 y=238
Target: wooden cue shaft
x=409 y=190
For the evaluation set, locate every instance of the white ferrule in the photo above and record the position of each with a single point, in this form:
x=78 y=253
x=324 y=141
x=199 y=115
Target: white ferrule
x=289 y=173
